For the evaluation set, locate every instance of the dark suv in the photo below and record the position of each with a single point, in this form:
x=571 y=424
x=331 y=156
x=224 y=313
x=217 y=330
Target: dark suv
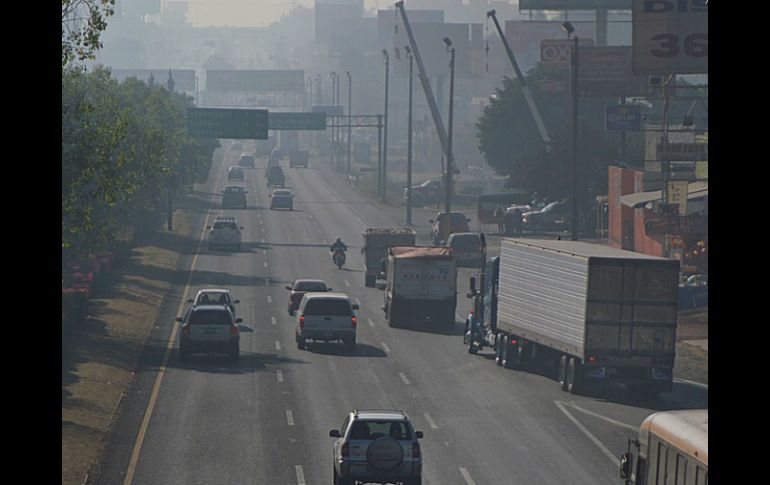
x=234 y=196
x=457 y=223
x=377 y=447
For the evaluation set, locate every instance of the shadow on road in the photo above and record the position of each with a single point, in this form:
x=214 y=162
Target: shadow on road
x=221 y=364
x=338 y=350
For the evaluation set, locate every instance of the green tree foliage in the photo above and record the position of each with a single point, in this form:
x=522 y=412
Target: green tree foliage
x=511 y=144
x=123 y=145
x=82 y=23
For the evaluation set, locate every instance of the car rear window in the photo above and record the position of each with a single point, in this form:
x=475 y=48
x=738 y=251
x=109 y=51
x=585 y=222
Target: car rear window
x=371 y=430
x=309 y=286
x=465 y=243
x=225 y=225
x=328 y=307
x=209 y=317
x=458 y=218
x=213 y=299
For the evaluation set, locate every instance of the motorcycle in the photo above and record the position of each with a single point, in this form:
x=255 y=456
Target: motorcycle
x=473 y=337
x=338 y=256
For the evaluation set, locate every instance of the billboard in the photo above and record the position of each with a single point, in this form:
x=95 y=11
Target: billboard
x=574 y=4
x=184 y=79
x=622 y=117
x=236 y=123
x=670 y=36
x=290 y=80
x=297 y=121
x=526 y=36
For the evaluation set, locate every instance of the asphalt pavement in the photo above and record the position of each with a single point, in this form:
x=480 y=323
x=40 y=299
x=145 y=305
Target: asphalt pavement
x=266 y=419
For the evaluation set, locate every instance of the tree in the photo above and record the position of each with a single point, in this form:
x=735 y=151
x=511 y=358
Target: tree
x=82 y=22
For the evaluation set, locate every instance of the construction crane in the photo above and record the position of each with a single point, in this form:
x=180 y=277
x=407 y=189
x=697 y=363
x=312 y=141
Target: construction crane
x=523 y=83
x=422 y=75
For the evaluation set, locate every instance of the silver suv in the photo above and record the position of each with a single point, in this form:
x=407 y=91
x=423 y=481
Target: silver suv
x=326 y=316
x=377 y=447
x=225 y=232
x=209 y=328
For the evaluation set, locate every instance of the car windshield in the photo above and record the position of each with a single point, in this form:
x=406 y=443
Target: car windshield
x=309 y=286
x=333 y=307
x=217 y=298
x=371 y=430
x=282 y=193
x=458 y=218
x=275 y=170
x=209 y=317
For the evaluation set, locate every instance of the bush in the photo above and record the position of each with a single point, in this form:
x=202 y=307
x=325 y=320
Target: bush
x=74 y=307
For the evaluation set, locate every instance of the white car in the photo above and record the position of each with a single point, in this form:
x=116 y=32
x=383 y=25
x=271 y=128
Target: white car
x=282 y=199
x=224 y=232
x=325 y=317
x=209 y=328
x=214 y=296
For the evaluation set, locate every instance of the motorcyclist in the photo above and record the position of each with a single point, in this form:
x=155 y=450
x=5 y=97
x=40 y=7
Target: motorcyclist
x=338 y=244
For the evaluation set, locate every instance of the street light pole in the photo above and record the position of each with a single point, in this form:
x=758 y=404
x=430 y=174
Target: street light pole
x=449 y=167
x=385 y=136
x=334 y=129
x=350 y=113
x=574 y=94
x=409 y=145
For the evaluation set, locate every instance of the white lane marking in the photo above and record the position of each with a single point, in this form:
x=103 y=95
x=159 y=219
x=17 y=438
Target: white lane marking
x=467 y=476
x=260 y=221
x=371 y=323
x=320 y=231
x=279 y=375
x=262 y=240
x=269 y=299
x=585 y=431
x=267 y=281
x=272 y=320
x=265 y=264
x=692 y=383
x=430 y=421
x=264 y=251
x=277 y=345
x=605 y=418
x=300 y=475
x=385 y=346
x=289 y=418
x=403 y=378
x=347 y=283
x=358 y=301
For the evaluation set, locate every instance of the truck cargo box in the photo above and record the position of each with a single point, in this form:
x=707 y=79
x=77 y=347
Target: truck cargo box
x=376 y=242
x=581 y=298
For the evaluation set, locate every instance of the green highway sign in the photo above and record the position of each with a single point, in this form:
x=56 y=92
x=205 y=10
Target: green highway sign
x=297 y=121
x=236 y=123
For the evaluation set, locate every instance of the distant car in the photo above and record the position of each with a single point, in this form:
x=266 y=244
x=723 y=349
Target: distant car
x=298 y=289
x=299 y=158
x=282 y=199
x=459 y=223
x=427 y=192
x=214 y=296
x=698 y=280
x=234 y=196
x=209 y=328
x=246 y=160
x=467 y=249
x=553 y=216
x=276 y=177
x=273 y=162
x=326 y=316
x=234 y=173
x=224 y=232
x=377 y=447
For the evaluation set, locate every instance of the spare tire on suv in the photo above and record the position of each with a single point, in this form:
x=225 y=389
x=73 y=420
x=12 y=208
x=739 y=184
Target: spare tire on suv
x=384 y=454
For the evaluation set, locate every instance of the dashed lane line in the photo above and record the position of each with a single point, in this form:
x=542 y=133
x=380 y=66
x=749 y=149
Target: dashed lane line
x=269 y=299
x=430 y=421
x=385 y=346
x=289 y=418
x=277 y=345
x=300 y=474
x=371 y=323
x=272 y=320
x=279 y=375
x=467 y=476
x=403 y=378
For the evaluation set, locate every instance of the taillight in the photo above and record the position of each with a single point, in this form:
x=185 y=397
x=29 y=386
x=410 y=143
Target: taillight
x=514 y=341
x=345 y=451
x=302 y=321
x=234 y=330
x=591 y=359
x=415 y=449
x=353 y=321
x=185 y=330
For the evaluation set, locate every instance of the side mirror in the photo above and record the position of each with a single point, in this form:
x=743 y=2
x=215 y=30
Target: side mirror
x=330 y=289
x=288 y=287
x=239 y=320
x=208 y=227
x=179 y=319
x=335 y=433
x=469 y=294
x=467 y=220
x=241 y=228
x=355 y=307
x=431 y=221
x=418 y=434
x=236 y=301
x=473 y=283
x=626 y=463
x=190 y=300
x=270 y=195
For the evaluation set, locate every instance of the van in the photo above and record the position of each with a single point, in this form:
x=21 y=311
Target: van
x=276 y=177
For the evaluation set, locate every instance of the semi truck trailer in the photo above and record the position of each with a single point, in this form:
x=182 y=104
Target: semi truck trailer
x=602 y=314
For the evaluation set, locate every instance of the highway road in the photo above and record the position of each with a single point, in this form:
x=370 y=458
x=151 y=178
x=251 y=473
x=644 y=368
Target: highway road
x=266 y=419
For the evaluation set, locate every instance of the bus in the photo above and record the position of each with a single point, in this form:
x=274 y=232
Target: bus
x=487 y=203
x=672 y=449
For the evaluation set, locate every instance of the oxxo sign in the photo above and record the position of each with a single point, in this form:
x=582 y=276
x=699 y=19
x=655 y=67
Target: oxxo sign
x=670 y=36
x=557 y=51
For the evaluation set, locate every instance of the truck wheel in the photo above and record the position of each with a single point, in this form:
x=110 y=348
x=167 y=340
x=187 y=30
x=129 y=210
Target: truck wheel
x=350 y=344
x=498 y=350
x=563 y=372
x=300 y=342
x=574 y=376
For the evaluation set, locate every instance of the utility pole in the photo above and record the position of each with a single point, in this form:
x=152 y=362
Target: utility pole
x=379 y=155
x=448 y=203
x=385 y=138
x=334 y=128
x=574 y=94
x=409 y=145
x=350 y=113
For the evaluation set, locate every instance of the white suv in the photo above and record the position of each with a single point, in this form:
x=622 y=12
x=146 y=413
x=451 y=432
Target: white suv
x=225 y=232
x=377 y=447
x=326 y=316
